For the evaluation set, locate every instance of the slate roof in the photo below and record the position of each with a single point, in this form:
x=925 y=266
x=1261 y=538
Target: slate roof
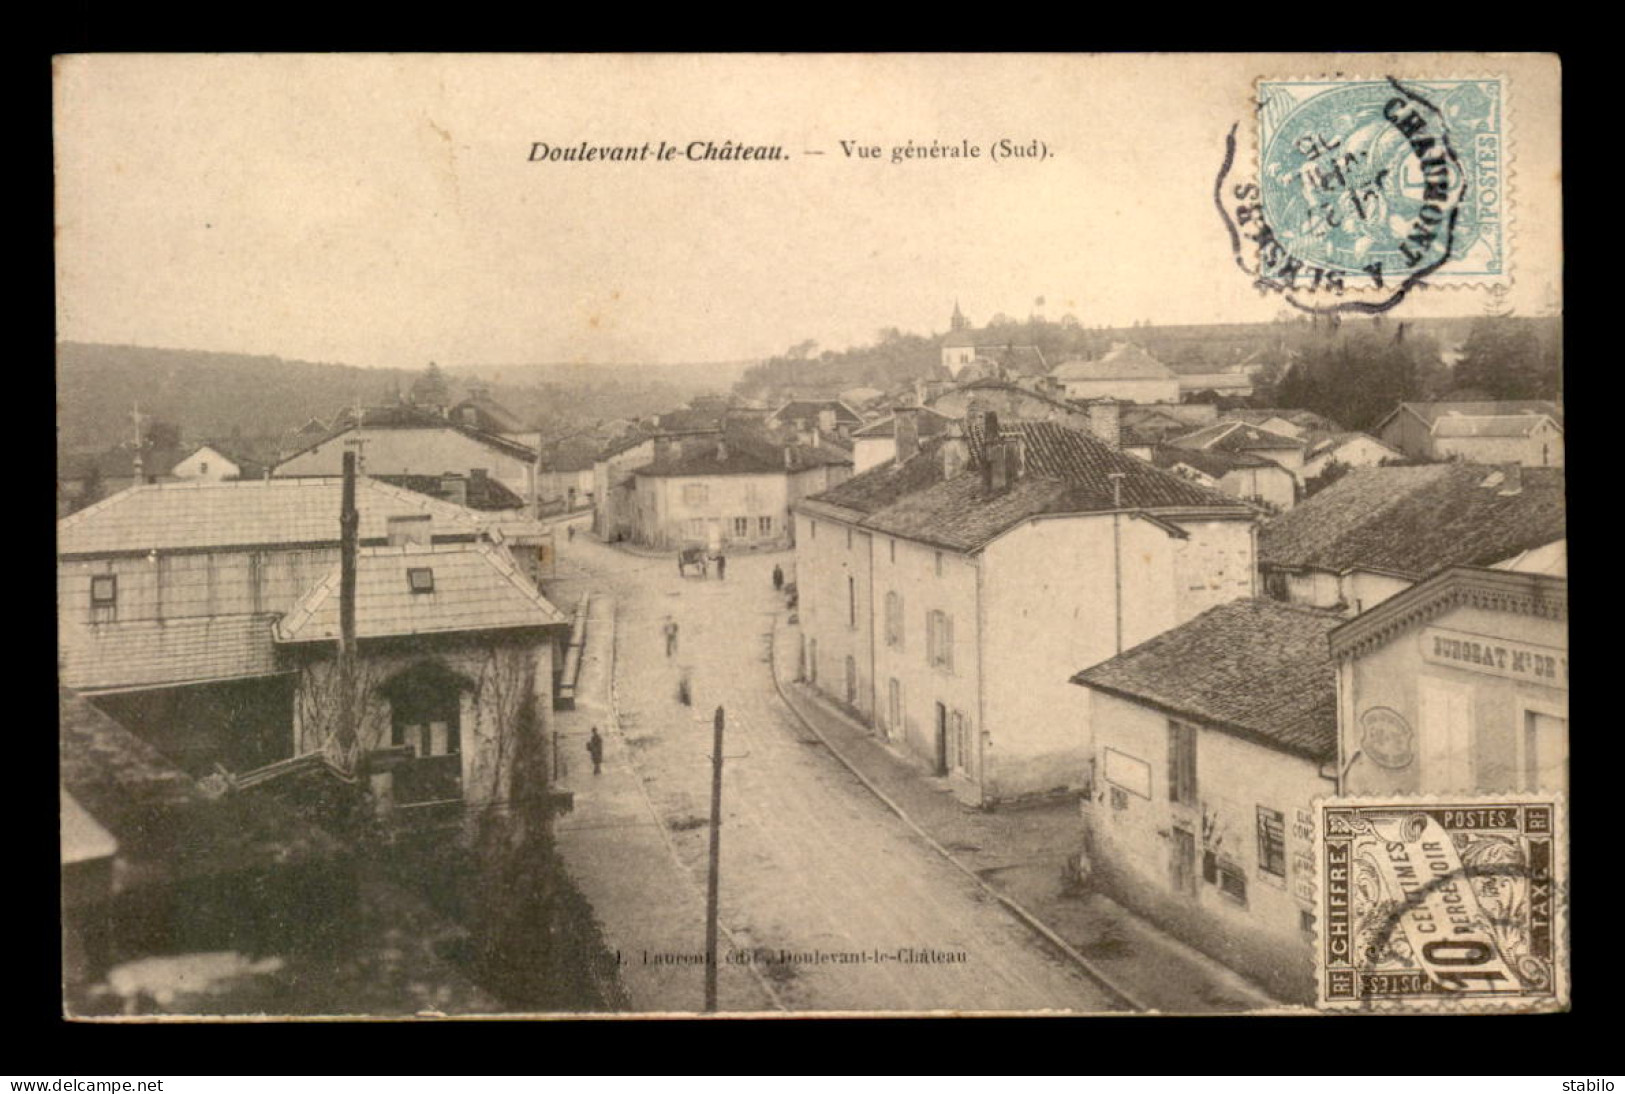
x=1067 y=472
x=1124 y=361
x=262 y=512
x=1236 y=437
x=1258 y=668
x=173 y=652
x=476 y=588
x=1414 y=521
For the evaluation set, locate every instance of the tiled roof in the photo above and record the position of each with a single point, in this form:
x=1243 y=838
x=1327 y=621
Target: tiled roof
x=1432 y=412
x=809 y=409
x=485 y=494
x=1068 y=471
x=1259 y=668
x=931 y=423
x=1124 y=361
x=1414 y=521
x=476 y=588
x=994 y=383
x=119 y=463
x=1215 y=462
x=407 y=416
x=1511 y=425
x=1303 y=419
x=1236 y=437
x=1321 y=444
x=490 y=415
x=743 y=453
x=1027 y=360
x=266 y=512
x=145 y=652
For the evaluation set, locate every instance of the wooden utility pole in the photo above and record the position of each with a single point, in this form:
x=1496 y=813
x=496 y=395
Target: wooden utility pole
x=349 y=527
x=711 y=881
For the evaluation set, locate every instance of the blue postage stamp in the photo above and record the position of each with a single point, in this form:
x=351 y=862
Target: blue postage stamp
x=1382 y=184
x=1442 y=904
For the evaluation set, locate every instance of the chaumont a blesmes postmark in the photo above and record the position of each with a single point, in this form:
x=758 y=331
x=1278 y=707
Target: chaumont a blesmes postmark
x=1378 y=185
x=1436 y=904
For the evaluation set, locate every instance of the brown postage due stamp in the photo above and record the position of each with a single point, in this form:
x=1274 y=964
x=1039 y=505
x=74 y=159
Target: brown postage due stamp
x=1440 y=904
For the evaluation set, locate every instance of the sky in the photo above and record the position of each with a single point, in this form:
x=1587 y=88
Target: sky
x=382 y=210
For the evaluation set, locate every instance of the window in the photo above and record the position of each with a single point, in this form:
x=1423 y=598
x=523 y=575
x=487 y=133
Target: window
x=894 y=620
x=1272 y=842
x=939 y=563
x=812 y=529
x=741 y=527
x=764 y=526
x=696 y=494
x=851 y=601
x=1306 y=921
x=849 y=539
x=1181 y=763
x=203 y=467
x=103 y=590
x=1232 y=880
x=962 y=742
x=894 y=705
x=420 y=579
x=1545 y=751
x=939 y=640
x=892 y=546
x=405 y=530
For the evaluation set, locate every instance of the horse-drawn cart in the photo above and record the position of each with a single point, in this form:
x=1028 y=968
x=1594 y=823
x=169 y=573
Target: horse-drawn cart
x=692 y=557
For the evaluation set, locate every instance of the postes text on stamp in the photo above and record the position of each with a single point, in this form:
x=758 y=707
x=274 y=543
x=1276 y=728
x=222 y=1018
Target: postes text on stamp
x=1368 y=188
x=1433 y=904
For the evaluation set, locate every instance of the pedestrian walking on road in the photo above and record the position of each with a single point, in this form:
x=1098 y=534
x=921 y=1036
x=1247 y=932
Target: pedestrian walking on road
x=722 y=567
x=570 y=532
x=671 y=638
x=778 y=579
x=595 y=749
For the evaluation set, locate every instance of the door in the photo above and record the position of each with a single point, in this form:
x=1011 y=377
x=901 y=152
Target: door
x=942 y=739
x=1182 y=867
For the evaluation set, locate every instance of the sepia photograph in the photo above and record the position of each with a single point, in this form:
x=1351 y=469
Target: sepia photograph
x=758 y=535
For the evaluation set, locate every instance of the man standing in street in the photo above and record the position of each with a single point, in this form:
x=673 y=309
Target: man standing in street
x=778 y=578
x=722 y=567
x=671 y=638
x=595 y=749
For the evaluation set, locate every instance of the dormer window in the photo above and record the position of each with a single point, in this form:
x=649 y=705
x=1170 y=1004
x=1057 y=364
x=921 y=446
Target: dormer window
x=420 y=579
x=103 y=590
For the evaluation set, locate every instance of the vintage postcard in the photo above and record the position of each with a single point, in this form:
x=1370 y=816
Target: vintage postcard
x=630 y=534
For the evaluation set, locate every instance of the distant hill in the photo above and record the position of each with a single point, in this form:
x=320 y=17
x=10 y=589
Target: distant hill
x=218 y=395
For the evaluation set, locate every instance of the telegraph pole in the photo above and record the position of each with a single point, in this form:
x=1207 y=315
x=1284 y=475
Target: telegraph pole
x=712 y=879
x=349 y=526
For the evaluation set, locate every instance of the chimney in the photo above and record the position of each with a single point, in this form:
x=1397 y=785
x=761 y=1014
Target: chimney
x=817 y=436
x=990 y=427
x=995 y=466
x=955 y=452
x=1511 y=480
x=919 y=391
x=1106 y=421
x=722 y=450
x=454 y=488
x=906 y=425
x=789 y=458
x=1015 y=452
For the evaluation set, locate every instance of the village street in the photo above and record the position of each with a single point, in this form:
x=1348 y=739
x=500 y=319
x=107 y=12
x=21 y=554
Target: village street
x=814 y=868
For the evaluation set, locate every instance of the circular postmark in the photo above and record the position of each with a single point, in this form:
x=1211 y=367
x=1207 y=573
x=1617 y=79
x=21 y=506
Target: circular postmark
x=1360 y=191
x=1387 y=738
